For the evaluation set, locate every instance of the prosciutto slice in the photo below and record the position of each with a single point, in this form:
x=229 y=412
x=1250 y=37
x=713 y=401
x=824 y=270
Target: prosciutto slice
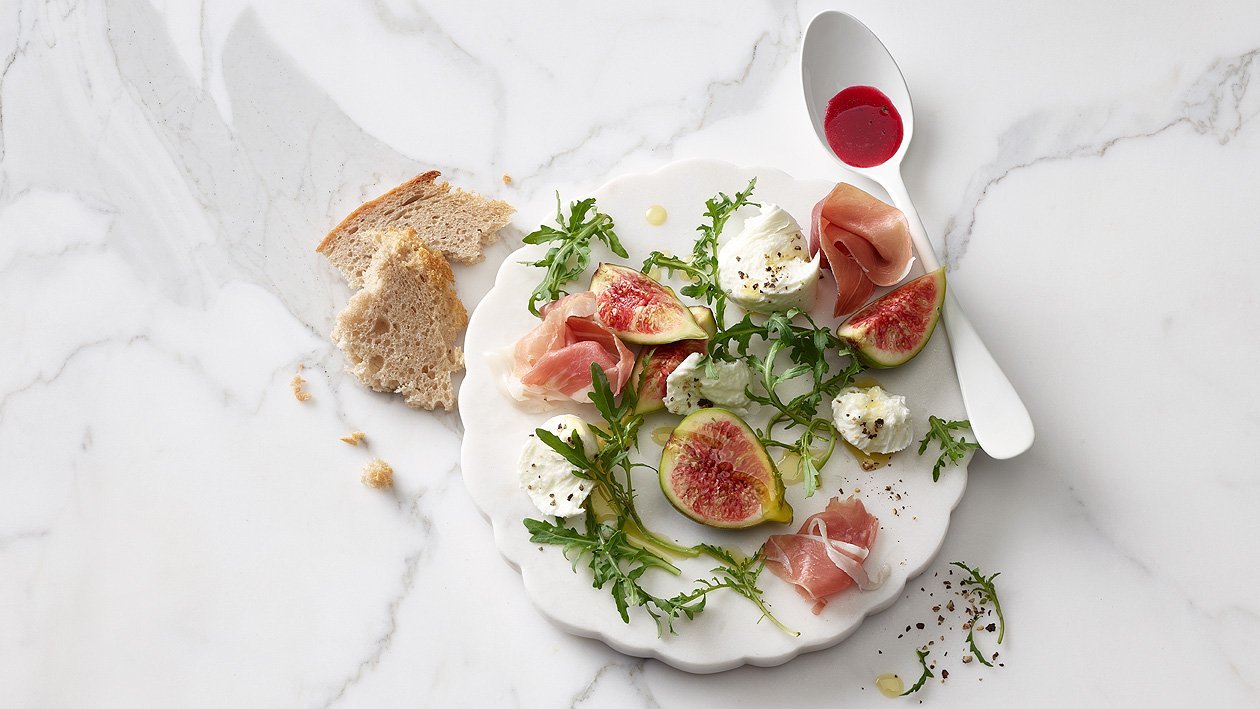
x=826 y=556
x=865 y=243
x=553 y=361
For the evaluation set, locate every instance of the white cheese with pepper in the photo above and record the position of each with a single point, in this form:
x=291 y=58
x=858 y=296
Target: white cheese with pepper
x=547 y=477
x=767 y=267
x=694 y=385
x=873 y=420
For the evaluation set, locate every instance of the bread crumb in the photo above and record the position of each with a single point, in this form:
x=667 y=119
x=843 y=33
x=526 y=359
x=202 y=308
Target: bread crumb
x=378 y=474
x=297 y=385
x=354 y=438
x=507 y=179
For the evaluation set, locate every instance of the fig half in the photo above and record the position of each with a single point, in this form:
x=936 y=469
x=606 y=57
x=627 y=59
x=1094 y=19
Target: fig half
x=715 y=471
x=639 y=310
x=890 y=331
x=655 y=364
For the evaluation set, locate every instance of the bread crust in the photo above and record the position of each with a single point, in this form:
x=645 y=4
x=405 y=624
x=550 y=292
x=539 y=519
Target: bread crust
x=456 y=223
x=424 y=178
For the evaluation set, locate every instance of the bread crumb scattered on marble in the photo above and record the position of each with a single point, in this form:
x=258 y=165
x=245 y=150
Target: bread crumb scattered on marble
x=507 y=179
x=354 y=438
x=378 y=474
x=298 y=384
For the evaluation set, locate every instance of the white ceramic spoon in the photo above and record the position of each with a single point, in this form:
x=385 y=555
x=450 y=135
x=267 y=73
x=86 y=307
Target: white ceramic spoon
x=839 y=52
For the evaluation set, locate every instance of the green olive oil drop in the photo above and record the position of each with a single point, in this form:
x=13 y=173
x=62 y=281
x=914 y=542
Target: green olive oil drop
x=890 y=685
x=790 y=468
x=868 y=461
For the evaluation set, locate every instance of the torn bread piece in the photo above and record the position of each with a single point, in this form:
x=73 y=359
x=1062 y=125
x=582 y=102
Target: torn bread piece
x=399 y=331
x=455 y=223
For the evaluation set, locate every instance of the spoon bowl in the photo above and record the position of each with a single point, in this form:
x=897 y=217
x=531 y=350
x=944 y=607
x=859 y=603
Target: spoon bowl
x=839 y=52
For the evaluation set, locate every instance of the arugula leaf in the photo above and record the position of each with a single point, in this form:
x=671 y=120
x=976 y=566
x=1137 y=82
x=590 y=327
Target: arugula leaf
x=569 y=450
x=618 y=564
x=952 y=451
x=741 y=577
x=807 y=347
x=985 y=594
x=568 y=259
x=702 y=268
x=922 y=654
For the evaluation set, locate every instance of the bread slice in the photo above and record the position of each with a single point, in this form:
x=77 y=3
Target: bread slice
x=399 y=331
x=456 y=223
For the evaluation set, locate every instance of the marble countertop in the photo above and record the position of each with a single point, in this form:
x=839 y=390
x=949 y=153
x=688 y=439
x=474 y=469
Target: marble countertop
x=177 y=530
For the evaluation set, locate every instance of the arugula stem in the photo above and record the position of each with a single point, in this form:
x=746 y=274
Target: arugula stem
x=986 y=593
x=656 y=543
x=765 y=613
x=832 y=434
x=636 y=533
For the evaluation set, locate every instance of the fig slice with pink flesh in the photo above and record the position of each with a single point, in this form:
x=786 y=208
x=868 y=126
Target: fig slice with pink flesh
x=890 y=331
x=715 y=470
x=655 y=364
x=640 y=310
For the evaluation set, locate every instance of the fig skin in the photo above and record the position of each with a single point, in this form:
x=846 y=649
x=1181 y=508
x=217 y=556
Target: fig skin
x=862 y=334
x=649 y=398
x=668 y=321
x=768 y=485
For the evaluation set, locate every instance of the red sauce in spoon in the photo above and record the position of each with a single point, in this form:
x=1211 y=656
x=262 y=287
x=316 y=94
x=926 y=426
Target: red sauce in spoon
x=862 y=126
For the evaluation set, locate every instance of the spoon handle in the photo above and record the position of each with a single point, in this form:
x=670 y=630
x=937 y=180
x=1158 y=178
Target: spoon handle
x=892 y=183
x=998 y=417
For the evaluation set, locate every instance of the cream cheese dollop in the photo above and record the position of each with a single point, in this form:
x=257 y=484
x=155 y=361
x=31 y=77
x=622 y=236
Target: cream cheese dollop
x=547 y=477
x=691 y=386
x=873 y=420
x=767 y=266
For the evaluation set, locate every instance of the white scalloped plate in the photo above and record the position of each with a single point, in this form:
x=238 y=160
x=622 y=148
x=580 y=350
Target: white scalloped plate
x=727 y=633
